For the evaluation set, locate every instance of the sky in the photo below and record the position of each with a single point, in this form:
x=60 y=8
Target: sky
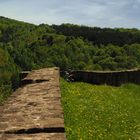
x=99 y=13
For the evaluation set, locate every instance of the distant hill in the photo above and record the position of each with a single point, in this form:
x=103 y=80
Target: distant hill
x=69 y=46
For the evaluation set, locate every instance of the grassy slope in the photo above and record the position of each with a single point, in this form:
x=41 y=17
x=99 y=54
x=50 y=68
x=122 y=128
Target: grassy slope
x=101 y=112
x=5 y=92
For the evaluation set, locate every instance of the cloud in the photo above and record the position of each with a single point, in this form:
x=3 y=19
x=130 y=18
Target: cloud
x=102 y=13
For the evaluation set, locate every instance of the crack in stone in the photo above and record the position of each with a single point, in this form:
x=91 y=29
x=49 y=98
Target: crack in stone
x=30 y=81
x=37 y=130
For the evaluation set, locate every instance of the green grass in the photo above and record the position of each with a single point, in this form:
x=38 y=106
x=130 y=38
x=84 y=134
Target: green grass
x=5 y=91
x=101 y=112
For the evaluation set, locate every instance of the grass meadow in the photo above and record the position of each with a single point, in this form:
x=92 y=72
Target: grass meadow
x=103 y=112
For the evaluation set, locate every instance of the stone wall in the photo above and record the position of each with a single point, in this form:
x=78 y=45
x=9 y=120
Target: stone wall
x=115 y=78
x=34 y=111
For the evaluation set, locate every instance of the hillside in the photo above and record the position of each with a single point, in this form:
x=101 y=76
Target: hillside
x=70 y=46
x=25 y=46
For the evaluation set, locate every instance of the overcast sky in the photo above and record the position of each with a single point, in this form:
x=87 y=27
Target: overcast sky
x=101 y=13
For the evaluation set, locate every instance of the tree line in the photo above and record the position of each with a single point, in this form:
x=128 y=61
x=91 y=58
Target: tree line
x=104 y=36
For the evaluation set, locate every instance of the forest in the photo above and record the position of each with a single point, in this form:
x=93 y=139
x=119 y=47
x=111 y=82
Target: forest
x=25 y=46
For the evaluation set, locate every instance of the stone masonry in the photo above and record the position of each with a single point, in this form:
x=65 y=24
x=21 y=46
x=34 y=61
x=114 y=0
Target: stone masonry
x=34 y=112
